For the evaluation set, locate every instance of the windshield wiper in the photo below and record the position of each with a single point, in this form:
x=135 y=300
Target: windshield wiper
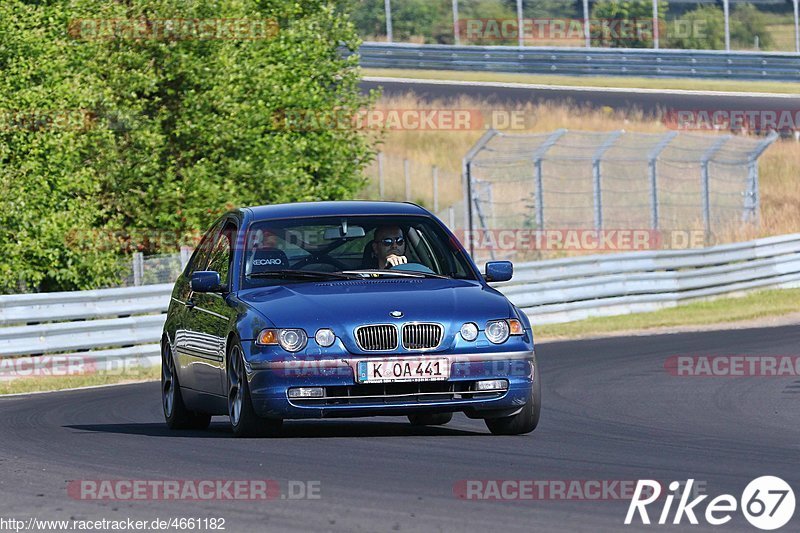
x=401 y=273
x=300 y=274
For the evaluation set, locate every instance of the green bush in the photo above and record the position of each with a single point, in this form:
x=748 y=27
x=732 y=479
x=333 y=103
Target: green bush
x=173 y=132
x=704 y=29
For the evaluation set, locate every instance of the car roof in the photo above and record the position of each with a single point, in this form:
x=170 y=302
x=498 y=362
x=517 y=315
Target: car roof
x=343 y=208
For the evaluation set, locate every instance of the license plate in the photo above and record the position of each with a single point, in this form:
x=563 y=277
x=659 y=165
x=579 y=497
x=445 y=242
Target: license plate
x=394 y=370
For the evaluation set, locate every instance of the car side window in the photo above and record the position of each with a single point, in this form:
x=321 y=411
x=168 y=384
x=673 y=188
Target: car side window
x=220 y=258
x=199 y=259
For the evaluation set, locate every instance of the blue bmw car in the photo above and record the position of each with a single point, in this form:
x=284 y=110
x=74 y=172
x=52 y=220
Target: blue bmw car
x=343 y=309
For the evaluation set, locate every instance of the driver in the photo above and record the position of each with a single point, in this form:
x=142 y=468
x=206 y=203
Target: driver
x=389 y=246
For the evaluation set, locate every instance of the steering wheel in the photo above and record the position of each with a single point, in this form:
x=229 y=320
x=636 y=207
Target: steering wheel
x=324 y=259
x=413 y=267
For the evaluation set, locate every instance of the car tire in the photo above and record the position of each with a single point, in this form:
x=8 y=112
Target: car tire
x=436 y=419
x=244 y=420
x=175 y=412
x=523 y=422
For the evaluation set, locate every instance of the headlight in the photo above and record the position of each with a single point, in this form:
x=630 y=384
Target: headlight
x=469 y=331
x=325 y=337
x=497 y=331
x=291 y=340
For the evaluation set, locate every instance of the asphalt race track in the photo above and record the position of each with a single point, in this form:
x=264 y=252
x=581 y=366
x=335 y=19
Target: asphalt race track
x=611 y=412
x=650 y=102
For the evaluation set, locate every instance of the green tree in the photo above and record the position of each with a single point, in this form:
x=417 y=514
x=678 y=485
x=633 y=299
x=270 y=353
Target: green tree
x=625 y=24
x=180 y=131
x=747 y=22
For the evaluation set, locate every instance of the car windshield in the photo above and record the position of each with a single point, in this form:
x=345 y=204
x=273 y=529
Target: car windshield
x=354 y=247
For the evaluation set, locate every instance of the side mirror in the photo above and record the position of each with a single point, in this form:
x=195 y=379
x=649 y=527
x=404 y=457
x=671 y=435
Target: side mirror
x=499 y=271
x=206 y=281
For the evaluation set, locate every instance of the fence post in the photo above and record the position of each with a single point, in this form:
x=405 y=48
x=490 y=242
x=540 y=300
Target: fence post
x=597 y=177
x=380 y=175
x=586 y=31
x=727 y=14
x=387 y=4
x=706 y=189
x=752 y=205
x=520 y=35
x=138 y=268
x=435 y=189
x=539 y=195
x=538 y=155
x=407 y=175
x=796 y=26
x=655 y=25
x=186 y=254
x=653 y=162
x=466 y=171
x=456 y=29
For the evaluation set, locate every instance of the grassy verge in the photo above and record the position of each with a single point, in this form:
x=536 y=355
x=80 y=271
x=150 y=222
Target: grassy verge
x=51 y=383
x=762 y=304
x=594 y=81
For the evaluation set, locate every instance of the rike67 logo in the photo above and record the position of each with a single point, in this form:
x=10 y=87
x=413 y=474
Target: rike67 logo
x=767 y=503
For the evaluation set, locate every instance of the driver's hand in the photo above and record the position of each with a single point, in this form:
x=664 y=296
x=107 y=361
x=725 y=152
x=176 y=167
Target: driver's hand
x=394 y=260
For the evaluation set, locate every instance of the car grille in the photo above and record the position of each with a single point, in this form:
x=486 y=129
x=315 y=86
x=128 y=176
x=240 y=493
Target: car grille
x=422 y=336
x=378 y=338
x=376 y=394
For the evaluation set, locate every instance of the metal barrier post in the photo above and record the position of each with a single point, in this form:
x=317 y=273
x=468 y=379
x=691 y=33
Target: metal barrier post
x=521 y=37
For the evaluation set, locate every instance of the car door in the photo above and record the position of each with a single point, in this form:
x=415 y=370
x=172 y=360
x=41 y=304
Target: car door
x=208 y=318
x=187 y=361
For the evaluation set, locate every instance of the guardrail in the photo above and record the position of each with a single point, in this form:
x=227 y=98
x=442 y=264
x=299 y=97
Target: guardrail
x=105 y=329
x=563 y=290
x=774 y=66
x=110 y=326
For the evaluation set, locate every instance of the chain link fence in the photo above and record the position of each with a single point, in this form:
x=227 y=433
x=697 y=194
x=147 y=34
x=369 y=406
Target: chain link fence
x=154 y=269
x=602 y=180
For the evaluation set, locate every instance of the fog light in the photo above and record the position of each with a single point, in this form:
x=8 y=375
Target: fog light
x=469 y=331
x=325 y=337
x=491 y=384
x=307 y=392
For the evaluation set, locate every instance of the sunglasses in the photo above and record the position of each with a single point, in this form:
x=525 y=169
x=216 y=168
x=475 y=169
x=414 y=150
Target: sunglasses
x=387 y=242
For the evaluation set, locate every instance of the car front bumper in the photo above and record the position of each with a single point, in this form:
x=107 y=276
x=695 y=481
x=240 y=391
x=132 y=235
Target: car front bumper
x=344 y=397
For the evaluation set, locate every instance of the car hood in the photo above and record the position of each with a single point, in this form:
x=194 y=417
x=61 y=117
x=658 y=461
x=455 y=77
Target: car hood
x=344 y=305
